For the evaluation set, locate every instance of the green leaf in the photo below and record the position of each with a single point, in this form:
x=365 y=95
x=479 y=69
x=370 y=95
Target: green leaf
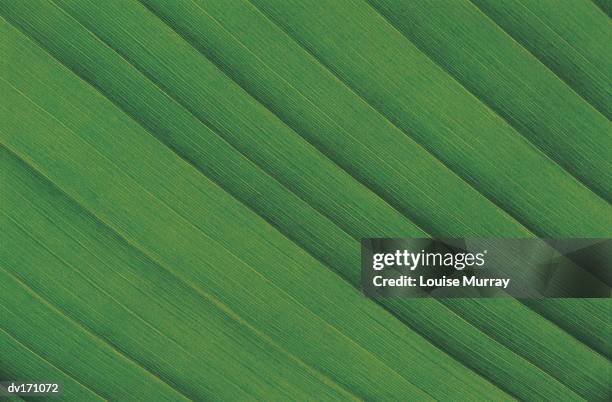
x=184 y=222
x=188 y=183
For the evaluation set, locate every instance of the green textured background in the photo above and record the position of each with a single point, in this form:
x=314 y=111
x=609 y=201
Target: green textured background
x=185 y=184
